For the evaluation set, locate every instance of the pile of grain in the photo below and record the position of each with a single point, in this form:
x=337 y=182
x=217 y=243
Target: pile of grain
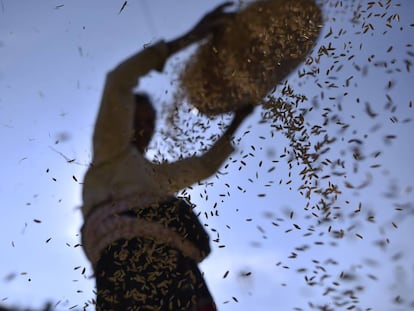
x=255 y=51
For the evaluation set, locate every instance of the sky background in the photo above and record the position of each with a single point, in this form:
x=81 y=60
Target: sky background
x=53 y=59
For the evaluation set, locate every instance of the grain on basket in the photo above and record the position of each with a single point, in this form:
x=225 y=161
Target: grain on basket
x=253 y=53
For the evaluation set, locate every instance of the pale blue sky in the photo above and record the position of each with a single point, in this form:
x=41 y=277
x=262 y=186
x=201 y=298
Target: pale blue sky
x=53 y=60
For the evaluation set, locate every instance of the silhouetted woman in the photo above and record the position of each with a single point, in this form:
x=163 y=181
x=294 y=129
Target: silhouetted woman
x=144 y=243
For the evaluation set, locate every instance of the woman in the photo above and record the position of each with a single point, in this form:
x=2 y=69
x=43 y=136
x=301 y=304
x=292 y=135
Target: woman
x=143 y=242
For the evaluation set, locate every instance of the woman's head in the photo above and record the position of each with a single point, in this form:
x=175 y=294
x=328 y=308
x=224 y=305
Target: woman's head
x=144 y=121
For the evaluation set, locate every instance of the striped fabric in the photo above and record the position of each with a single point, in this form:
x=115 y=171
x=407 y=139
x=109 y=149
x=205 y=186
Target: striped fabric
x=172 y=222
x=146 y=258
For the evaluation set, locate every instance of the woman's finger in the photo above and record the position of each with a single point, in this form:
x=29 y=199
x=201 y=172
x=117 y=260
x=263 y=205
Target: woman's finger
x=219 y=10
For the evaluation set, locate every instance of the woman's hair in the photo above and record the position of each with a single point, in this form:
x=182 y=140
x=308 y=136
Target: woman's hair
x=142 y=98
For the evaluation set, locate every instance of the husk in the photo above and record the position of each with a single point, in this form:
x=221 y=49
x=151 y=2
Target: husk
x=254 y=52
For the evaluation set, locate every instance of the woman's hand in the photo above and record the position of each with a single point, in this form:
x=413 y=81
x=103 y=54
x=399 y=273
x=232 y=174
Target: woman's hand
x=208 y=25
x=211 y=22
x=239 y=115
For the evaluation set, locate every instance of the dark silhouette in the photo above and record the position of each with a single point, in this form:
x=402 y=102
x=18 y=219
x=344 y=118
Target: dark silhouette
x=144 y=243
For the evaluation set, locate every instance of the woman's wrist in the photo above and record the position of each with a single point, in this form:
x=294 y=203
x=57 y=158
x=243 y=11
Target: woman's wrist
x=179 y=43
